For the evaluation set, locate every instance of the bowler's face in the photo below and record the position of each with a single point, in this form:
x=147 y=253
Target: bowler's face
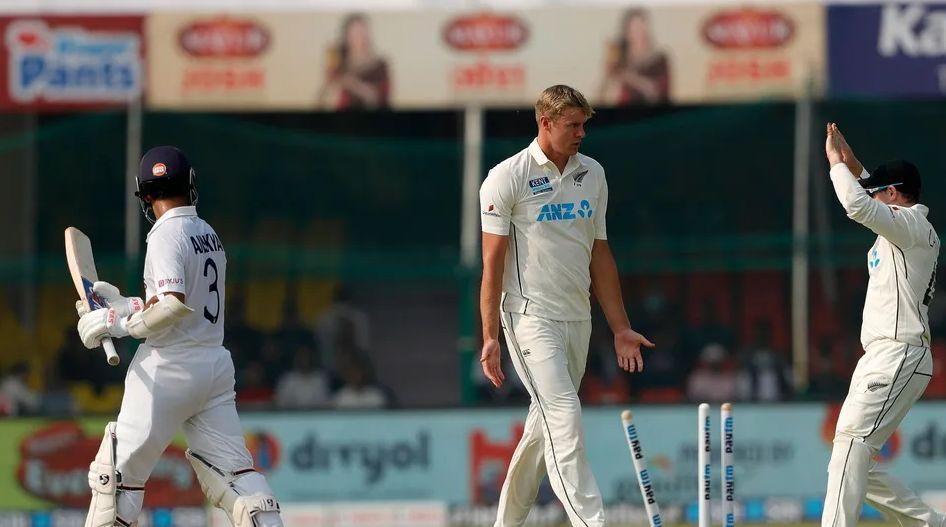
x=567 y=131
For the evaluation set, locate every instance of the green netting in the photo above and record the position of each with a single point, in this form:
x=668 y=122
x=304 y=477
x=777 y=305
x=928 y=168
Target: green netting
x=702 y=188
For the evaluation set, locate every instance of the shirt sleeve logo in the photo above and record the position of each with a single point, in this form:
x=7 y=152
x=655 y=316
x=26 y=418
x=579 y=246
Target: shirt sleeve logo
x=491 y=211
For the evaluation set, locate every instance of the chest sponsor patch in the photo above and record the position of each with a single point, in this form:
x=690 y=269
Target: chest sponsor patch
x=540 y=185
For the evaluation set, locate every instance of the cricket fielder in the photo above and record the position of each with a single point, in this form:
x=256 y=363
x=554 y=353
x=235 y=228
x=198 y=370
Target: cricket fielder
x=181 y=376
x=896 y=365
x=544 y=249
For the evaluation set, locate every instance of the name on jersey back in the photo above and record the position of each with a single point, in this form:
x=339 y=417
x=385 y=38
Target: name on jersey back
x=206 y=243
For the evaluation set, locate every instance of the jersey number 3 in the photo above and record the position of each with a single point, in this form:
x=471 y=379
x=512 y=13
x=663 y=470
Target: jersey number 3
x=212 y=317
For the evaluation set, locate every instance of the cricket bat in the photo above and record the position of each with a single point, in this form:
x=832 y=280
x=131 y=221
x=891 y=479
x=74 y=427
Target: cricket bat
x=82 y=268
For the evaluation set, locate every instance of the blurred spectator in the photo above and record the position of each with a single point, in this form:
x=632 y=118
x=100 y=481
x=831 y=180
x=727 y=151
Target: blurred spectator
x=342 y=328
x=603 y=382
x=295 y=331
x=602 y=385
x=710 y=330
x=243 y=341
x=274 y=359
x=662 y=365
x=359 y=389
x=713 y=380
x=655 y=314
x=824 y=382
x=93 y=386
x=357 y=78
x=306 y=386
x=15 y=390
x=252 y=391
x=57 y=401
x=764 y=376
x=79 y=365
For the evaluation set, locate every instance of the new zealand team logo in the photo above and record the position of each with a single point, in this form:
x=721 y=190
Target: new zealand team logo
x=579 y=177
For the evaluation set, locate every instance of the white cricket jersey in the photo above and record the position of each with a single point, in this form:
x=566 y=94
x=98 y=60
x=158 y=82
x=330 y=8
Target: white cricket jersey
x=552 y=220
x=901 y=263
x=185 y=256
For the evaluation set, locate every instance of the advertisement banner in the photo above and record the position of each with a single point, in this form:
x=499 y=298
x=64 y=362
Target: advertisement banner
x=460 y=458
x=254 y=61
x=892 y=49
x=45 y=465
x=453 y=58
x=732 y=53
x=70 y=62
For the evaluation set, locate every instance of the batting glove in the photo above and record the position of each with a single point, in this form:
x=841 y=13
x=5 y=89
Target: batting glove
x=111 y=297
x=96 y=325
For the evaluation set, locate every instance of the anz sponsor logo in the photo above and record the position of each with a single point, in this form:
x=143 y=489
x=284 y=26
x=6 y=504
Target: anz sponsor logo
x=565 y=211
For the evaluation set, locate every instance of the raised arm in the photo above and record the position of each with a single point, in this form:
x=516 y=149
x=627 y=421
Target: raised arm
x=879 y=217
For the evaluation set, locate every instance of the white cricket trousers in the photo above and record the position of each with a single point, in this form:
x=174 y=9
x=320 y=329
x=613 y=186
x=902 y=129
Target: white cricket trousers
x=889 y=378
x=550 y=357
x=170 y=389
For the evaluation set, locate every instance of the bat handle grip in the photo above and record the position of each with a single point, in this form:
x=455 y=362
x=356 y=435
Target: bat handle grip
x=110 y=352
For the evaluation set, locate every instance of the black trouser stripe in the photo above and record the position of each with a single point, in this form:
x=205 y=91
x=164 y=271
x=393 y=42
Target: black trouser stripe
x=538 y=400
x=890 y=391
x=837 y=506
x=122 y=522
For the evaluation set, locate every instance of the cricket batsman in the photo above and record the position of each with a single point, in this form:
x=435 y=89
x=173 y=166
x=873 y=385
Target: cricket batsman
x=545 y=250
x=182 y=376
x=897 y=365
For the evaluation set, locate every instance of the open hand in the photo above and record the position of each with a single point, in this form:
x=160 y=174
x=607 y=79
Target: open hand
x=627 y=346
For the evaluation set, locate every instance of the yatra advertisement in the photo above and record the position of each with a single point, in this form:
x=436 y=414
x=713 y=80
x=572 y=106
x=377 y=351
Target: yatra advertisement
x=63 y=62
x=892 y=49
x=449 y=58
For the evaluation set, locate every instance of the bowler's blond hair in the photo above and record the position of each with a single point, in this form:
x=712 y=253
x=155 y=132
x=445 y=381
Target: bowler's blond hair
x=554 y=100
